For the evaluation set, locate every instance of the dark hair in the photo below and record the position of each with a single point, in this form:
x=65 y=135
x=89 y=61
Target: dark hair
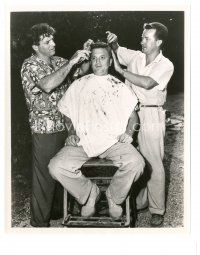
x=161 y=30
x=38 y=30
x=100 y=44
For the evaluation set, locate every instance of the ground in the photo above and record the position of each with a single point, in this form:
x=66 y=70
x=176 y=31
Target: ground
x=173 y=162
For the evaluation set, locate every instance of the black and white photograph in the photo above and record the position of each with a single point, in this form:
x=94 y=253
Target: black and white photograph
x=97 y=119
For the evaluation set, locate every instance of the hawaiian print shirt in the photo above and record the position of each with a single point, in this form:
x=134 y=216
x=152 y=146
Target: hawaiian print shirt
x=44 y=116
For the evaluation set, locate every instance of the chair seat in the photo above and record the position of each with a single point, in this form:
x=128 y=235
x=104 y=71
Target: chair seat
x=99 y=168
x=97 y=162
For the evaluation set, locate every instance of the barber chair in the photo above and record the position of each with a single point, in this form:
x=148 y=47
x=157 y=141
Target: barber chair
x=99 y=171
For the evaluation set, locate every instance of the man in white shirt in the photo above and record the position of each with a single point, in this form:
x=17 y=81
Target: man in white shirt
x=101 y=110
x=147 y=74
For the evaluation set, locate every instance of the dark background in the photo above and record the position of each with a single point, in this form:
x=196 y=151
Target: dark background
x=73 y=29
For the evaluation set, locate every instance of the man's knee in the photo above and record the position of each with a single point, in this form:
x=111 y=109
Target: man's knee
x=137 y=162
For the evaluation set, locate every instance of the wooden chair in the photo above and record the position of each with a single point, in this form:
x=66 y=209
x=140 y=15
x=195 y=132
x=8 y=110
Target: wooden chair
x=99 y=171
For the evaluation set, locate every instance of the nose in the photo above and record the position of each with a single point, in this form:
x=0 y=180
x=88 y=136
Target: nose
x=53 y=43
x=143 y=41
x=98 y=61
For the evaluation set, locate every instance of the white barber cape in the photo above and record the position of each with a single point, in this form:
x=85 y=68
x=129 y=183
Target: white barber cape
x=99 y=108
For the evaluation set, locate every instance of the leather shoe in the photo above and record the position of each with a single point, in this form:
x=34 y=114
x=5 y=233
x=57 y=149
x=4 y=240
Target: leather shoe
x=88 y=210
x=157 y=220
x=115 y=210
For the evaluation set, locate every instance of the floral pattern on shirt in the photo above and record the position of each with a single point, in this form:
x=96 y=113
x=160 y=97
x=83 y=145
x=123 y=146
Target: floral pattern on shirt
x=44 y=116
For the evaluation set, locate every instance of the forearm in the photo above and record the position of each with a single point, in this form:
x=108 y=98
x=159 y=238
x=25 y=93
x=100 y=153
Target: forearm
x=70 y=128
x=145 y=82
x=52 y=81
x=115 y=46
x=133 y=124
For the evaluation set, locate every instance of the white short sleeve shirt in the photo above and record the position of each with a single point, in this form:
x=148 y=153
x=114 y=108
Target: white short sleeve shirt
x=160 y=70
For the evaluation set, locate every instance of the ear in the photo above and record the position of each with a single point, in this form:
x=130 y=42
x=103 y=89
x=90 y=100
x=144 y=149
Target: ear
x=35 y=47
x=111 y=61
x=159 y=42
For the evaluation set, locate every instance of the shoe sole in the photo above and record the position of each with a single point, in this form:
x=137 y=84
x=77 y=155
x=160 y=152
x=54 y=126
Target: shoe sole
x=157 y=226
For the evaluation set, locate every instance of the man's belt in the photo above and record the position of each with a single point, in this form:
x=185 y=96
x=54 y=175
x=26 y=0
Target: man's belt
x=151 y=105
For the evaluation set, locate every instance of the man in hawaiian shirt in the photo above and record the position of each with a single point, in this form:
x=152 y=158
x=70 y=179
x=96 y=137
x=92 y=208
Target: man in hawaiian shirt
x=102 y=111
x=44 y=83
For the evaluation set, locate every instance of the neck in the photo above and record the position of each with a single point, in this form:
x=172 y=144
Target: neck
x=46 y=59
x=101 y=74
x=152 y=56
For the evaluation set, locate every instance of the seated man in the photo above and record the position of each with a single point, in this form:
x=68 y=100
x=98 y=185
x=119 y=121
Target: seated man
x=101 y=109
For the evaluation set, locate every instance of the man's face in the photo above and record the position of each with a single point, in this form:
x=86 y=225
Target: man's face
x=149 y=42
x=100 y=61
x=46 y=47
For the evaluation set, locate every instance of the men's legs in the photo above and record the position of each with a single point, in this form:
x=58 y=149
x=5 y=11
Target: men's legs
x=130 y=166
x=65 y=167
x=151 y=144
x=45 y=146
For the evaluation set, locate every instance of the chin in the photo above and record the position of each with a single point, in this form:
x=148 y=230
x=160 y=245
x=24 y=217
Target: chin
x=100 y=73
x=52 y=53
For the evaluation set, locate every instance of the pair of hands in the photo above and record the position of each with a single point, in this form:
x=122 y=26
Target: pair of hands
x=73 y=140
x=111 y=38
x=84 y=54
x=113 y=41
x=81 y=55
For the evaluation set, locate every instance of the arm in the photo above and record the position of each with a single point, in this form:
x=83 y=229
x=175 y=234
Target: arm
x=131 y=129
x=72 y=139
x=69 y=126
x=142 y=81
x=52 y=81
x=133 y=124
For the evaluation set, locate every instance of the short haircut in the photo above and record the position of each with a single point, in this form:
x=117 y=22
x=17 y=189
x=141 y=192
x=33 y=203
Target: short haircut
x=161 y=30
x=100 y=44
x=39 y=30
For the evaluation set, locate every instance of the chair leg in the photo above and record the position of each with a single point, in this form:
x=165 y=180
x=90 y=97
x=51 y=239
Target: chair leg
x=127 y=211
x=65 y=205
x=133 y=209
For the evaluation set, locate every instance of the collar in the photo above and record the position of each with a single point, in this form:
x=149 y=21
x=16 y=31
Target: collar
x=40 y=60
x=158 y=58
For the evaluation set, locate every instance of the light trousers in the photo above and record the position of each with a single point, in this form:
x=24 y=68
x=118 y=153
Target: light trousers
x=151 y=145
x=65 y=167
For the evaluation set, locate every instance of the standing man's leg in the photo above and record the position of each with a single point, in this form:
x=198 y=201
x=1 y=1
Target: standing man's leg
x=130 y=166
x=45 y=146
x=151 y=144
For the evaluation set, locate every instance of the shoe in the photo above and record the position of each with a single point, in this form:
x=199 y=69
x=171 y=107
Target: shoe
x=115 y=210
x=157 y=220
x=89 y=209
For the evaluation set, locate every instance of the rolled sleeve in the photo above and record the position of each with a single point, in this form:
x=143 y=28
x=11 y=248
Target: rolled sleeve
x=125 y=55
x=162 y=74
